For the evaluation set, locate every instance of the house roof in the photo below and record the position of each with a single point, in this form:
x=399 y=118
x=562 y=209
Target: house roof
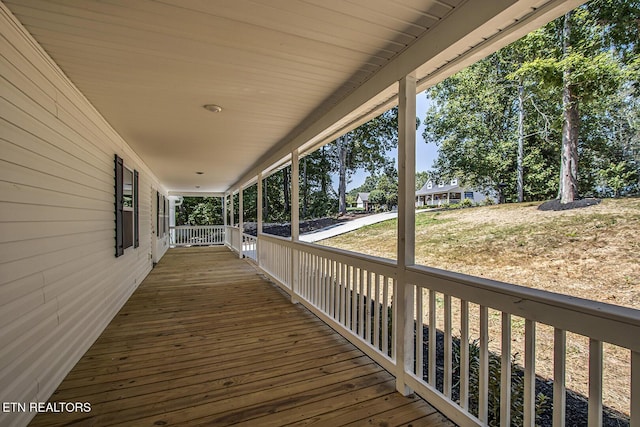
x=363 y=196
x=288 y=74
x=424 y=191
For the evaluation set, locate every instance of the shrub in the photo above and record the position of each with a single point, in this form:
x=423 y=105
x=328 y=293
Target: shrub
x=466 y=203
x=517 y=385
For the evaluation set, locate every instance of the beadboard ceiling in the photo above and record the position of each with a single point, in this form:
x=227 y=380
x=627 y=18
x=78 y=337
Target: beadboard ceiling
x=282 y=70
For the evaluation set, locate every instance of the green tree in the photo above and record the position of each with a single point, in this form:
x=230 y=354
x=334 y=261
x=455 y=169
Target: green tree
x=618 y=176
x=388 y=186
x=588 y=68
x=275 y=198
x=471 y=121
x=367 y=186
x=377 y=198
x=365 y=147
x=421 y=179
x=317 y=197
x=199 y=211
x=557 y=103
x=250 y=203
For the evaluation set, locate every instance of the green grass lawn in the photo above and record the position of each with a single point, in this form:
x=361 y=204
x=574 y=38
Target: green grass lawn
x=596 y=248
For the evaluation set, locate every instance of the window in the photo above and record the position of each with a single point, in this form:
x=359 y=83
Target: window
x=127 y=208
x=162 y=219
x=159 y=214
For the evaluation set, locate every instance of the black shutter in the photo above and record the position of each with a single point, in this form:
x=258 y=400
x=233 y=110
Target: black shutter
x=157 y=214
x=136 y=217
x=119 y=206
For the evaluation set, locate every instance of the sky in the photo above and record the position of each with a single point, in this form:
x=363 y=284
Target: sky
x=425 y=154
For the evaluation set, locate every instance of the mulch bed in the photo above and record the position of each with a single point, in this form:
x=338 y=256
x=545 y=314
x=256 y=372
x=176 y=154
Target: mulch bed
x=284 y=230
x=576 y=404
x=555 y=205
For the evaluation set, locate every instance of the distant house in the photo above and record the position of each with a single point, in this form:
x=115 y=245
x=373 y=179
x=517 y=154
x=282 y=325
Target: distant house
x=362 y=201
x=436 y=194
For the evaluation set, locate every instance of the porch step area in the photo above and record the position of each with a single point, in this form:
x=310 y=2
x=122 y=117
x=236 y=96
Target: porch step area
x=205 y=340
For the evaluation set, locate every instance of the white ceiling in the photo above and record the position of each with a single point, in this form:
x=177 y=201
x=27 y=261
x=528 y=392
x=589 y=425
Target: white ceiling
x=282 y=70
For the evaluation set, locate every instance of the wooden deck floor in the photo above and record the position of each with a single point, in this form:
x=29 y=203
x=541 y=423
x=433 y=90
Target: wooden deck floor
x=206 y=341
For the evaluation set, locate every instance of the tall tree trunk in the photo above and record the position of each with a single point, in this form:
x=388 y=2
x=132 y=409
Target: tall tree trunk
x=520 y=141
x=342 y=174
x=570 y=126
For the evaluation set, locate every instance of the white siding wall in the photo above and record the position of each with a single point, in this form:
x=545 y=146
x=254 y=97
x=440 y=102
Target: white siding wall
x=60 y=283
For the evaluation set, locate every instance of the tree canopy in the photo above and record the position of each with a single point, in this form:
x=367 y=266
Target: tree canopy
x=548 y=114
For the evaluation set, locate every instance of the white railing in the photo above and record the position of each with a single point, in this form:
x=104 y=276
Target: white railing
x=275 y=258
x=198 y=235
x=354 y=294
x=227 y=235
x=233 y=238
x=250 y=246
x=434 y=291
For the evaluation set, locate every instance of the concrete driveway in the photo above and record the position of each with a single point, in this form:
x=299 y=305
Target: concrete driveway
x=345 y=227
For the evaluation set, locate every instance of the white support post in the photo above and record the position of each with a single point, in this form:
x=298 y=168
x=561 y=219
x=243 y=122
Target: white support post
x=231 y=216
x=241 y=223
x=295 y=224
x=224 y=210
x=403 y=312
x=635 y=389
x=259 y=219
x=594 y=417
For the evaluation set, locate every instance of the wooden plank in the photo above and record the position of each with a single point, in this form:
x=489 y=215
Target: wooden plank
x=336 y=410
x=182 y=350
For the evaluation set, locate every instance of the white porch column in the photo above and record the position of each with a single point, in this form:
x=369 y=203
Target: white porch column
x=224 y=210
x=406 y=229
x=259 y=218
x=172 y=218
x=241 y=222
x=295 y=222
x=231 y=216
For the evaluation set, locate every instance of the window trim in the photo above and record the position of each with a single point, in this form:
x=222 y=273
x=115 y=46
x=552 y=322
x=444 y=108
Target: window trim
x=136 y=209
x=119 y=207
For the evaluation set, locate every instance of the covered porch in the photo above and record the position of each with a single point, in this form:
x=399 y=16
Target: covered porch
x=201 y=337
x=206 y=340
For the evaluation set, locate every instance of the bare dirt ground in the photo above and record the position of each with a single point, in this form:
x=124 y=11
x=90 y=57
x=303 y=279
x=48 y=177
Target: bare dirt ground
x=591 y=252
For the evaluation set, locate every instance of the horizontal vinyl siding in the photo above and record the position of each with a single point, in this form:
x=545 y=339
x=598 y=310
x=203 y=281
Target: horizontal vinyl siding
x=60 y=283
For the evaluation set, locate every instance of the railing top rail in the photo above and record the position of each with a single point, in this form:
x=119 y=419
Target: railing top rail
x=280 y=239
x=191 y=227
x=605 y=322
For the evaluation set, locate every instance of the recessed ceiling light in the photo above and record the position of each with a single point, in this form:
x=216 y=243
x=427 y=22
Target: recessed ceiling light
x=197 y=186
x=199 y=173
x=213 y=108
